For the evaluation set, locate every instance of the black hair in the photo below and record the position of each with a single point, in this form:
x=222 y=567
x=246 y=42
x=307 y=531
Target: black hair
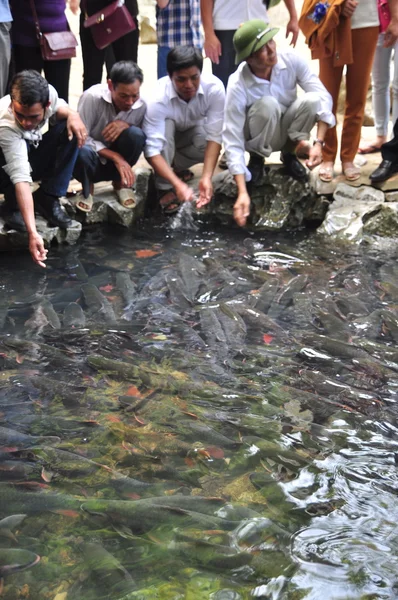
x=125 y=71
x=28 y=88
x=184 y=57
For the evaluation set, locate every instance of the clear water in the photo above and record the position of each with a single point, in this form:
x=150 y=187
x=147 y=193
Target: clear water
x=198 y=438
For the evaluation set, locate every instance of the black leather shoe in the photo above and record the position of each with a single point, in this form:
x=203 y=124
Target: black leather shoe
x=294 y=167
x=49 y=207
x=384 y=171
x=256 y=167
x=14 y=220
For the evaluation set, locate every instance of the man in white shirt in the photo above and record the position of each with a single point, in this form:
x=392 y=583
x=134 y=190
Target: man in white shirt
x=27 y=155
x=113 y=115
x=221 y=18
x=183 y=125
x=263 y=113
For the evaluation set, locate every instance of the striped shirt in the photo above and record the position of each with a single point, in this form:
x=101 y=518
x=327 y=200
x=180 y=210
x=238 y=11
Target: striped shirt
x=179 y=24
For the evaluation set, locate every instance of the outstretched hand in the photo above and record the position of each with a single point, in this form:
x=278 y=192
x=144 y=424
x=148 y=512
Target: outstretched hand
x=242 y=208
x=37 y=250
x=75 y=126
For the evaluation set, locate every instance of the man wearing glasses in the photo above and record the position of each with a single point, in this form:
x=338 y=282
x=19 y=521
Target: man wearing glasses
x=26 y=155
x=263 y=113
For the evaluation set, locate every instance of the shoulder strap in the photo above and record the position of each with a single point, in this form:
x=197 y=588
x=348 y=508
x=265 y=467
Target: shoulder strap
x=36 y=20
x=83 y=8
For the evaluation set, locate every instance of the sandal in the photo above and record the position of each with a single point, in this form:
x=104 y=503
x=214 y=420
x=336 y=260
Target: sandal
x=82 y=203
x=169 y=203
x=126 y=197
x=350 y=171
x=185 y=175
x=325 y=172
x=371 y=149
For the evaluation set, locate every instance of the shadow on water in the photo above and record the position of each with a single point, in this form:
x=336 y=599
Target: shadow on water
x=195 y=414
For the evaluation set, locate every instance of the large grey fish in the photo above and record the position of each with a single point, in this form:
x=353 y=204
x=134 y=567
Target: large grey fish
x=11 y=438
x=74 y=315
x=13 y=560
x=127 y=288
x=99 y=305
x=109 y=573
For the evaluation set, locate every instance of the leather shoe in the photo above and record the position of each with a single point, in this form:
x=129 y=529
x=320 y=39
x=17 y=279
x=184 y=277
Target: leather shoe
x=14 y=220
x=49 y=207
x=294 y=167
x=256 y=167
x=384 y=171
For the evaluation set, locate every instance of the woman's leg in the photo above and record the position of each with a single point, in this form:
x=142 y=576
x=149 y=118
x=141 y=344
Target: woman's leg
x=331 y=79
x=381 y=88
x=395 y=86
x=57 y=73
x=93 y=58
x=357 y=83
x=126 y=47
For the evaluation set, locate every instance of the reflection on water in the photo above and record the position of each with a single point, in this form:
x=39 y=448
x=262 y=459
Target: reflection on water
x=191 y=414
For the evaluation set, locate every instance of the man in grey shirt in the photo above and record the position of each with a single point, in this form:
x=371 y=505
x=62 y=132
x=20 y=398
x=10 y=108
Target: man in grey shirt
x=27 y=155
x=113 y=114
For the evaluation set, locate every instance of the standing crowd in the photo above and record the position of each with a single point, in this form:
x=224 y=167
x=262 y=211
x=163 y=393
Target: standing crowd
x=249 y=104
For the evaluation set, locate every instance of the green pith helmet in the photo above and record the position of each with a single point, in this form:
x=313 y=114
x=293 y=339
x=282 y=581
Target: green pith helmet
x=251 y=36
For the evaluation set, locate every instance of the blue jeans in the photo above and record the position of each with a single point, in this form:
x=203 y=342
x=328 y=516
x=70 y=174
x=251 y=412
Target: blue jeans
x=89 y=168
x=52 y=163
x=162 y=60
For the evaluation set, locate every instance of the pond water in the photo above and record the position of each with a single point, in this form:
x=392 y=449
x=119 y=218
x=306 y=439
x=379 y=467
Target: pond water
x=199 y=414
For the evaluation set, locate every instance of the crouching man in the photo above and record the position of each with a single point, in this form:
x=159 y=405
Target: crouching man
x=183 y=125
x=27 y=155
x=263 y=113
x=113 y=114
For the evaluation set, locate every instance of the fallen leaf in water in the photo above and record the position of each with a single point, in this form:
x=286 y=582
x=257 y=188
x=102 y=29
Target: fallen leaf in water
x=145 y=253
x=46 y=475
x=106 y=288
x=215 y=452
x=133 y=391
x=67 y=513
x=267 y=339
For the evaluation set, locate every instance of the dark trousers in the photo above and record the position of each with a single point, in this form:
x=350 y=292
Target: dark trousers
x=55 y=71
x=125 y=48
x=389 y=150
x=227 y=65
x=89 y=168
x=52 y=163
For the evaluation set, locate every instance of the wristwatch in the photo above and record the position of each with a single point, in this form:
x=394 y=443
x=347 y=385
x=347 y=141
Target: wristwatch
x=318 y=141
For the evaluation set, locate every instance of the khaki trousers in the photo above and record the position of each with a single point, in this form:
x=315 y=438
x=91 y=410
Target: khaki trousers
x=357 y=83
x=269 y=126
x=182 y=149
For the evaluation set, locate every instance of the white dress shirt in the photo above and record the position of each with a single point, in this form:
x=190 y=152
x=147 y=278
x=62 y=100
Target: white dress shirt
x=97 y=110
x=244 y=89
x=206 y=109
x=14 y=139
x=229 y=14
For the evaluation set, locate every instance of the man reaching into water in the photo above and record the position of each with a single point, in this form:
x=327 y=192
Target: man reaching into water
x=27 y=155
x=183 y=125
x=263 y=113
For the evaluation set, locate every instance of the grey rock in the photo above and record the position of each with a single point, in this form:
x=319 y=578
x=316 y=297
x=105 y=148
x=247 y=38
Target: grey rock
x=385 y=222
x=70 y=235
x=344 y=191
x=391 y=196
x=278 y=202
x=346 y=215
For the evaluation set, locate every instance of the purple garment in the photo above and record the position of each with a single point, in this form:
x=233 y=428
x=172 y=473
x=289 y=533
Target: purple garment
x=51 y=14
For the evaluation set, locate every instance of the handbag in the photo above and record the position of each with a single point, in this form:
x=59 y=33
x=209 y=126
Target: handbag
x=384 y=14
x=57 y=45
x=109 y=24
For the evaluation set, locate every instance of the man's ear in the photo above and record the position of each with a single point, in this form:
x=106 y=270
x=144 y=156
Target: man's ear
x=110 y=85
x=47 y=105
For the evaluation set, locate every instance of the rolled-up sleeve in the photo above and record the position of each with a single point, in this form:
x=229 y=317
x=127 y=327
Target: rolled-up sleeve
x=154 y=128
x=233 y=132
x=213 y=124
x=310 y=82
x=15 y=153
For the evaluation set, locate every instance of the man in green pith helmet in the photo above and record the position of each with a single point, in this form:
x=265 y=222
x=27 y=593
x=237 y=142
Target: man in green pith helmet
x=263 y=113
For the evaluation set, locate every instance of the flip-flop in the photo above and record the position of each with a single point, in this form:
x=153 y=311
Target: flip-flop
x=126 y=197
x=325 y=174
x=169 y=203
x=371 y=149
x=185 y=175
x=82 y=203
x=351 y=173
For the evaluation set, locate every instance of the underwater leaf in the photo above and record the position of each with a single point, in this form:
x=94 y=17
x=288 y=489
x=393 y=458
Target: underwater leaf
x=145 y=253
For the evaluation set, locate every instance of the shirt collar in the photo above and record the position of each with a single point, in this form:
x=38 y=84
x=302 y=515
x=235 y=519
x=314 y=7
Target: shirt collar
x=250 y=79
x=107 y=96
